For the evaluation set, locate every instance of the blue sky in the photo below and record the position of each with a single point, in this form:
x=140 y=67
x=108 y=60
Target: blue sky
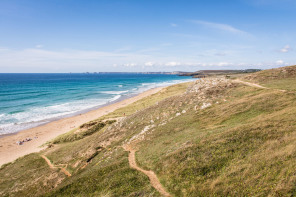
x=151 y=35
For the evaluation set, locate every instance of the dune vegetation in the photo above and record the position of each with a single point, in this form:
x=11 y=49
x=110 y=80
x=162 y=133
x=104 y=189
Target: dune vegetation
x=212 y=137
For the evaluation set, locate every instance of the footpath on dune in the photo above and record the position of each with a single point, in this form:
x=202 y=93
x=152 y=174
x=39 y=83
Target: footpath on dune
x=250 y=84
x=63 y=169
x=255 y=85
x=152 y=176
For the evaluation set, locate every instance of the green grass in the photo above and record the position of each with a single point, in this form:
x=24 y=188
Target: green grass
x=107 y=172
x=107 y=178
x=83 y=131
x=283 y=78
x=28 y=176
x=244 y=144
x=283 y=84
x=146 y=102
x=236 y=148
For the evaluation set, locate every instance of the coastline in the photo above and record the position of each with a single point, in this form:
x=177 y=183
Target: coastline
x=10 y=151
x=47 y=121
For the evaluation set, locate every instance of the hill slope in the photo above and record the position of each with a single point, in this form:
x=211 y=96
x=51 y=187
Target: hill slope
x=212 y=137
x=278 y=78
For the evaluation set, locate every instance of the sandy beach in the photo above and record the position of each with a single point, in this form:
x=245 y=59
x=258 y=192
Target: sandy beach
x=9 y=150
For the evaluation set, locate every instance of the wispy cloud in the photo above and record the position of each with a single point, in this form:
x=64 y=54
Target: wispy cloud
x=173 y=64
x=219 y=26
x=279 y=62
x=149 y=64
x=174 y=25
x=286 y=49
x=39 y=46
x=38 y=59
x=130 y=65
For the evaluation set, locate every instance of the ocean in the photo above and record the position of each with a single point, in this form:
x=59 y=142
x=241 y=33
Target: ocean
x=29 y=100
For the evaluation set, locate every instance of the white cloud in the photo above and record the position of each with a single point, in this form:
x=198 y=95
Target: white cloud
x=221 y=64
x=40 y=60
x=173 y=25
x=219 y=26
x=130 y=65
x=149 y=64
x=39 y=46
x=279 y=62
x=172 y=64
x=286 y=49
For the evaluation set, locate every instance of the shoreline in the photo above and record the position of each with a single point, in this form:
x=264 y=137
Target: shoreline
x=10 y=151
x=47 y=121
x=25 y=125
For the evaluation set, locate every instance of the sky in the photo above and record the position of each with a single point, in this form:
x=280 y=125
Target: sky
x=57 y=36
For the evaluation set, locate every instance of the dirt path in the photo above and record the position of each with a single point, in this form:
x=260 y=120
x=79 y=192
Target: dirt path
x=152 y=176
x=250 y=84
x=58 y=166
x=256 y=85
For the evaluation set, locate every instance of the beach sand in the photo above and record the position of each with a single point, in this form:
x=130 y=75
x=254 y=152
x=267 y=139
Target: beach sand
x=9 y=150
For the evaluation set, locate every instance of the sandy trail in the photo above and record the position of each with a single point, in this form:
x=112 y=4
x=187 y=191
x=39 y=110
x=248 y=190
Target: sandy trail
x=250 y=84
x=152 y=176
x=58 y=166
x=256 y=85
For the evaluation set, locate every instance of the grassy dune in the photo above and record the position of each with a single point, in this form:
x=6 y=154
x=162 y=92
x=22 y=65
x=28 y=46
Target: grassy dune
x=211 y=138
x=280 y=78
x=98 y=167
x=242 y=147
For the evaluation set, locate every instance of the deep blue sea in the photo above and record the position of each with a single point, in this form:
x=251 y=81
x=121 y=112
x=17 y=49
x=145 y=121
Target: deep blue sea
x=29 y=100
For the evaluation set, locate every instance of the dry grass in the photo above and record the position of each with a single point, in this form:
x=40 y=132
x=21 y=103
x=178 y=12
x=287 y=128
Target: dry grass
x=98 y=165
x=242 y=144
x=283 y=78
x=236 y=148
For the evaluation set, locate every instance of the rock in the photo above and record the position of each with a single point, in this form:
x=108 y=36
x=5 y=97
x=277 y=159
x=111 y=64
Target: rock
x=178 y=114
x=184 y=111
x=205 y=105
x=195 y=107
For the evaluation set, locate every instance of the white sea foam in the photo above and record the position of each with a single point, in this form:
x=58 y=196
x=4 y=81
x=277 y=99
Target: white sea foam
x=40 y=115
x=148 y=84
x=10 y=123
x=114 y=92
x=115 y=98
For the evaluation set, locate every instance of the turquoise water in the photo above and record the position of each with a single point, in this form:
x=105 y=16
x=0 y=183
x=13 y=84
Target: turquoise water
x=29 y=100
